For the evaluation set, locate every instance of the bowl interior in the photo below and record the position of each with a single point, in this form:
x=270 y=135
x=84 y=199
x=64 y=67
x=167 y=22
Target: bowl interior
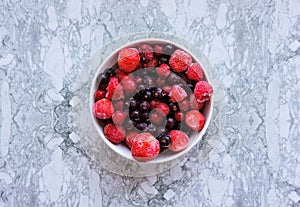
x=121 y=148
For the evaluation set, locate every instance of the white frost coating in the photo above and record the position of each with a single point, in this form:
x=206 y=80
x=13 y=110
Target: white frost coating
x=54 y=64
x=6 y=119
x=221 y=16
x=53 y=175
x=52 y=19
x=272 y=133
x=74 y=9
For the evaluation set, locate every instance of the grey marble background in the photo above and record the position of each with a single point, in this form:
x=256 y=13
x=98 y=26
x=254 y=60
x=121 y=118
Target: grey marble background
x=254 y=46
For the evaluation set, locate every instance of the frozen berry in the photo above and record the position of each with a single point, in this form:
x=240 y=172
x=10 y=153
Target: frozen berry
x=114 y=90
x=118 y=117
x=163 y=70
x=141 y=126
x=129 y=137
x=203 y=91
x=158 y=50
x=133 y=104
x=144 y=116
x=184 y=105
x=164 y=107
x=168 y=49
x=99 y=94
x=110 y=72
x=135 y=115
x=144 y=147
x=118 y=105
x=163 y=60
x=113 y=134
x=194 y=72
x=157 y=93
x=103 y=109
x=153 y=103
x=164 y=141
x=129 y=86
x=195 y=120
x=144 y=106
x=146 y=52
x=170 y=123
x=179 y=140
x=128 y=59
x=178 y=93
x=151 y=63
x=178 y=116
x=157 y=116
x=180 y=60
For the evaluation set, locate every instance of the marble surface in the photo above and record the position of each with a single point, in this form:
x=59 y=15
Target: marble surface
x=254 y=47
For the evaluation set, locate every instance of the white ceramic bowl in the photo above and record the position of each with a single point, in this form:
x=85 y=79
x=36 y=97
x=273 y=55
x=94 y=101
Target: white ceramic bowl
x=121 y=148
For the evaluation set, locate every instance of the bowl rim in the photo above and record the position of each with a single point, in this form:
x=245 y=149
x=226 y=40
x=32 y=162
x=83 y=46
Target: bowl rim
x=114 y=147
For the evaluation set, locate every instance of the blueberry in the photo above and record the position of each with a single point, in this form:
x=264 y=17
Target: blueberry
x=135 y=115
x=141 y=126
x=147 y=95
x=110 y=72
x=170 y=123
x=144 y=106
x=144 y=116
x=173 y=106
x=157 y=93
x=164 y=140
x=164 y=59
x=169 y=49
x=133 y=104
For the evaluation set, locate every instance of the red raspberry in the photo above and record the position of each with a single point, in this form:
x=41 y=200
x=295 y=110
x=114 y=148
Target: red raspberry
x=103 y=109
x=121 y=75
x=203 y=91
x=195 y=72
x=178 y=116
x=180 y=60
x=114 y=134
x=195 y=104
x=146 y=52
x=178 y=93
x=195 y=120
x=118 y=105
x=99 y=94
x=153 y=104
x=114 y=89
x=158 y=50
x=128 y=59
x=118 y=117
x=144 y=147
x=151 y=63
x=184 y=105
x=163 y=70
x=164 y=107
x=129 y=86
x=130 y=137
x=157 y=116
x=179 y=140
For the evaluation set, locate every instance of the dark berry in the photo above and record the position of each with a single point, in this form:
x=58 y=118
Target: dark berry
x=141 y=126
x=163 y=60
x=144 y=106
x=144 y=116
x=158 y=50
x=147 y=95
x=173 y=106
x=134 y=115
x=164 y=141
x=110 y=72
x=133 y=104
x=169 y=49
x=170 y=123
x=157 y=93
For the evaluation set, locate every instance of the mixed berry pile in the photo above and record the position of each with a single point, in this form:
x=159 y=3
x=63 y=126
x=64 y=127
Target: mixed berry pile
x=152 y=100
